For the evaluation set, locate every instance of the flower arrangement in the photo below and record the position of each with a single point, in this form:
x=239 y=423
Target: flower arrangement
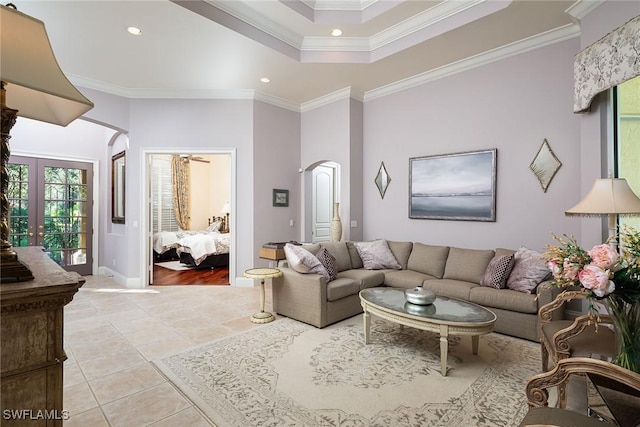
x=608 y=276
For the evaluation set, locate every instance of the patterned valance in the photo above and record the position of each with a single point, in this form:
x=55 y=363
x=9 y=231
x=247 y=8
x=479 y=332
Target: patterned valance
x=610 y=61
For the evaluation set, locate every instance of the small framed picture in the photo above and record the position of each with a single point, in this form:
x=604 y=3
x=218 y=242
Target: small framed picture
x=280 y=197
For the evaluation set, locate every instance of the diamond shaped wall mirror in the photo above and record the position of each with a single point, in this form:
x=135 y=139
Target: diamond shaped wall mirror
x=382 y=180
x=545 y=165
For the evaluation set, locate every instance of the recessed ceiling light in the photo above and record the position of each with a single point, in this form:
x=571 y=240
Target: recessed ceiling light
x=135 y=31
x=336 y=32
x=265 y=80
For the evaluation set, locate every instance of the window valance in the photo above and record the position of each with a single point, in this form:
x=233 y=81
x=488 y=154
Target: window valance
x=608 y=62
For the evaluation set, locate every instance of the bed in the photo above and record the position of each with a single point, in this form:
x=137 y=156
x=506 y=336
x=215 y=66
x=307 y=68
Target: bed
x=207 y=248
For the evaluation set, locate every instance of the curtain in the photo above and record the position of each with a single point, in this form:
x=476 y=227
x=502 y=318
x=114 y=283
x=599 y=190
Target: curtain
x=181 y=180
x=608 y=62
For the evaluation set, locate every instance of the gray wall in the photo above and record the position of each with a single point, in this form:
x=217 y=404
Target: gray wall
x=511 y=105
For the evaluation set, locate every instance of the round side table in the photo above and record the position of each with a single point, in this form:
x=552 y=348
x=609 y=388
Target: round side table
x=262 y=274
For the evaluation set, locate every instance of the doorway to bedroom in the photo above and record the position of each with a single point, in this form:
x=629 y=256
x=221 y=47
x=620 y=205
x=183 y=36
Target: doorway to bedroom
x=189 y=213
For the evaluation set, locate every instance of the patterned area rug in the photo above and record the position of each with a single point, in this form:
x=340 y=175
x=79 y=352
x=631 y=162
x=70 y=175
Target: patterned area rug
x=288 y=373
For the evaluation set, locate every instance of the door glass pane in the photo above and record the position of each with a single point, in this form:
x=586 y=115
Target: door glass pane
x=628 y=144
x=65 y=215
x=18 y=195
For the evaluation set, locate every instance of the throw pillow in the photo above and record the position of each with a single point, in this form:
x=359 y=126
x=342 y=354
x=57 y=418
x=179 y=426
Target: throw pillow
x=497 y=272
x=376 y=255
x=528 y=271
x=303 y=261
x=329 y=262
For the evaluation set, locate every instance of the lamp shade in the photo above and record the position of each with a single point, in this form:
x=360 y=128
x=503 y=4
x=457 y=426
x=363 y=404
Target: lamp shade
x=226 y=208
x=608 y=196
x=35 y=85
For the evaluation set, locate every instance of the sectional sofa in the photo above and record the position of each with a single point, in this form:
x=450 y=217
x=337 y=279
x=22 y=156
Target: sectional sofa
x=319 y=300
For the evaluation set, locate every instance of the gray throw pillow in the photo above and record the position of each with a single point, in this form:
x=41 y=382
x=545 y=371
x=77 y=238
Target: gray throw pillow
x=303 y=261
x=376 y=255
x=497 y=272
x=528 y=271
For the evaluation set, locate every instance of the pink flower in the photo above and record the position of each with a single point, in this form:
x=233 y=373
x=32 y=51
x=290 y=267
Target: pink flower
x=603 y=256
x=596 y=279
x=570 y=270
x=555 y=269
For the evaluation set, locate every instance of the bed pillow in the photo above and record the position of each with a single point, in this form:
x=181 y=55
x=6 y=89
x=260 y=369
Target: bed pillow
x=497 y=272
x=329 y=263
x=214 y=226
x=376 y=255
x=529 y=269
x=303 y=261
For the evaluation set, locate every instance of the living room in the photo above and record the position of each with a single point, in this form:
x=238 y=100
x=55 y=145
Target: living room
x=510 y=102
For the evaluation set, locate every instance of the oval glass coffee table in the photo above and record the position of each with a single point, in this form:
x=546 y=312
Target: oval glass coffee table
x=446 y=316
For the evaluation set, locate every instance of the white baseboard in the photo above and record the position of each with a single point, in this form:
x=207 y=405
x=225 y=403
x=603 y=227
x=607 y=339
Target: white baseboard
x=244 y=282
x=127 y=282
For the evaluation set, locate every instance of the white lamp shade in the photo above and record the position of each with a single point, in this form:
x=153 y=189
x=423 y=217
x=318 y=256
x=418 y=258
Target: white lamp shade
x=226 y=208
x=608 y=196
x=35 y=85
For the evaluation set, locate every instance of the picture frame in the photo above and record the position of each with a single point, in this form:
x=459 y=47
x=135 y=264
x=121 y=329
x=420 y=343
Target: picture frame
x=457 y=186
x=280 y=197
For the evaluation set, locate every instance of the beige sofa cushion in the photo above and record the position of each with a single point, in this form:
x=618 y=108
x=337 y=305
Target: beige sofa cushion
x=505 y=299
x=450 y=288
x=356 y=261
x=401 y=251
x=467 y=265
x=364 y=278
x=341 y=287
x=428 y=259
x=340 y=252
x=404 y=278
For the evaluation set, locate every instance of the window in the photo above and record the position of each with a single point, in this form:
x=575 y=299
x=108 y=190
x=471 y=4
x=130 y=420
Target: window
x=627 y=139
x=162 y=195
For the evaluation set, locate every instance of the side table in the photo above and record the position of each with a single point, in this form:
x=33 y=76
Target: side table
x=262 y=274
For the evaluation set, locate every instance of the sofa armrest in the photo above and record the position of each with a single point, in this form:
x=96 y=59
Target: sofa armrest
x=301 y=296
x=547 y=294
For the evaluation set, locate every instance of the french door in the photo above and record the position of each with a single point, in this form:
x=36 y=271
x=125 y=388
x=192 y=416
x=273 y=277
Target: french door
x=51 y=206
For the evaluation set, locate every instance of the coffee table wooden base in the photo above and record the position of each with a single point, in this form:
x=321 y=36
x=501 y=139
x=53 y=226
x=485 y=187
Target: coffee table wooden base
x=425 y=324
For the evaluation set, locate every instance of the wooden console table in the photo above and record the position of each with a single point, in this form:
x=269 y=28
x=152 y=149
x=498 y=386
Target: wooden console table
x=31 y=347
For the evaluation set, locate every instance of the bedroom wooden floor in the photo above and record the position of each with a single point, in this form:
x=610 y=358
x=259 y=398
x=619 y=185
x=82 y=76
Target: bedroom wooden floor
x=164 y=276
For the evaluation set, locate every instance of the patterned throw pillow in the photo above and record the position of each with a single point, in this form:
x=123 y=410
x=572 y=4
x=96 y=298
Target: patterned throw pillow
x=528 y=271
x=329 y=262
x=303 y=261
x=497 y=272
x=376 y=255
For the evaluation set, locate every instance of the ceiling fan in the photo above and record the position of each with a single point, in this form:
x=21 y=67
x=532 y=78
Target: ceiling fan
x=190 y=157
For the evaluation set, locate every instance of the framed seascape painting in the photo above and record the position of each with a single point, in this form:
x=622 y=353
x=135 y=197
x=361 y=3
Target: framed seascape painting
x=459 y=186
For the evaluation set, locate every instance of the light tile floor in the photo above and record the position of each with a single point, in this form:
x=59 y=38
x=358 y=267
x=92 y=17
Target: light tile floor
x=112 y=333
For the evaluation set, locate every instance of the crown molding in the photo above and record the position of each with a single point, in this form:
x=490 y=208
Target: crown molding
x=548 y=38
x=430 y=23
x=582 y=8
x=345 y=93
x=561 y=34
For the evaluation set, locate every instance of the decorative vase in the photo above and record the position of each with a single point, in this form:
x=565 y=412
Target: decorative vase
x=336 y=224
x=626 y=320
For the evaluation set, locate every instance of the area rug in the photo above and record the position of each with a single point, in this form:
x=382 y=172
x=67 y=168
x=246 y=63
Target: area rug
x=288 y=373
x=174 y=265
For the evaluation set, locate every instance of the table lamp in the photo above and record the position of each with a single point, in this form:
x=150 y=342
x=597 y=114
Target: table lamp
x=32 y=86
x=611 y=197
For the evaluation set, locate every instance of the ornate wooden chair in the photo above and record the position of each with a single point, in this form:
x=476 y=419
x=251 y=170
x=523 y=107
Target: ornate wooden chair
x=619 y=385
x=580 y=337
